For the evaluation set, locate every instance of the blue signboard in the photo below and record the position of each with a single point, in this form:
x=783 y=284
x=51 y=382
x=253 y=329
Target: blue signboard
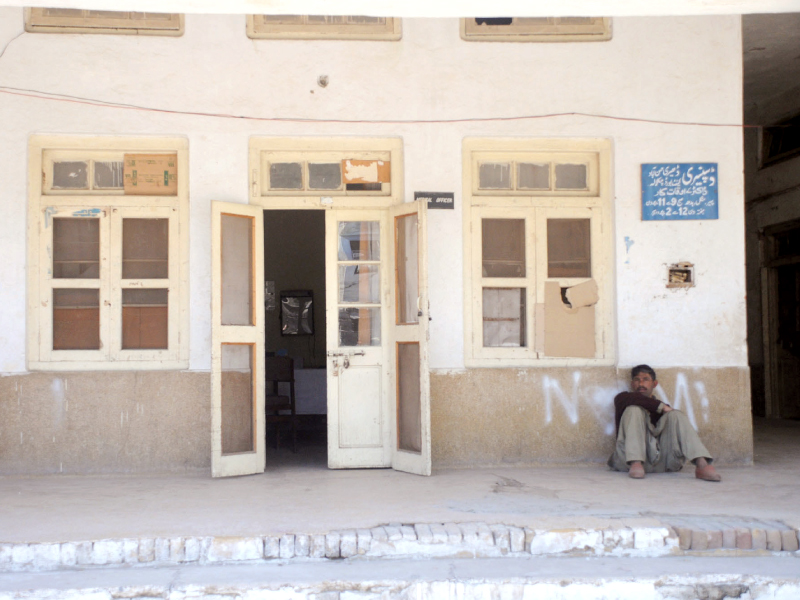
x=679 y=191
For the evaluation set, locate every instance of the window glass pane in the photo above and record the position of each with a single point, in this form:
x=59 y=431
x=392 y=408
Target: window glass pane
x=144 y=319
x=407 y=269
x=283 y=19
x=359 y=283
x=63 y=12
x=359 y=240
x=359 y=327
x=360 y=20
x=571 y=177
x=108 y=175
x=533 y=21
x=70 y=175
x=568 y=248
x=577 y=20
x=494 y=21
x=494 y=176
x=76 y=319
x=237 y=270
x=286 y=176
x=325 y=176
x=153 y=16
x=324 y=19
x=409 y=407
x=145 y=248
x=238 y=401
x=504 y=317
x=533 y=176
x=364 y=187
x=76 y=248
x=503 y=247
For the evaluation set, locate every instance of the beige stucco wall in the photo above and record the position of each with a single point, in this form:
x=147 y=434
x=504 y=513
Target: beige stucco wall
x=122 y=422
x=566 y=415
x=96 y=422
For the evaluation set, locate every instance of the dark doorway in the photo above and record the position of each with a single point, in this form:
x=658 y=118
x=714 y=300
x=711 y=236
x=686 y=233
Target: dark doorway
x=294 y=269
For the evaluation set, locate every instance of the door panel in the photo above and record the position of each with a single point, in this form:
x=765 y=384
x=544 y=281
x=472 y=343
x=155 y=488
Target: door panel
x=360 y=410
x=237 y=345
x=411 y=427
x=357 y=293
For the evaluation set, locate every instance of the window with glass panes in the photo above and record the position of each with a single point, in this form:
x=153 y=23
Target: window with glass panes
x=536 y=29
x=336 y=27
x=77 y=20
x=535 y=219
x=110 y=275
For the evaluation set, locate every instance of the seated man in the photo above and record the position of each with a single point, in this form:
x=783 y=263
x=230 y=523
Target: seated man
x=653 y=437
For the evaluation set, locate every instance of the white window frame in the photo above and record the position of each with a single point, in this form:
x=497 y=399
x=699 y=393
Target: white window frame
x=593 y=203
x=127 y=23
x=110 y=207
x=297 y=27
x=554 y=31
x=265 y=150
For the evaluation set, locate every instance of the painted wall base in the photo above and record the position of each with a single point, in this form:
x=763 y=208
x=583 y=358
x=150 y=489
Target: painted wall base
x=105 y=422
x=566 y=415
x=123 y=422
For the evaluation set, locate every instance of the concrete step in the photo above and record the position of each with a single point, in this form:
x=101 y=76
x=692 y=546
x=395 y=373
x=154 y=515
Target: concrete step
x=359 y=578
x=677 y=535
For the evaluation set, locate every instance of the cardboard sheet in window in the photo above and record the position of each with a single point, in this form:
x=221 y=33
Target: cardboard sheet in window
x=151 y=174
x=366 y=171
x=569 y=330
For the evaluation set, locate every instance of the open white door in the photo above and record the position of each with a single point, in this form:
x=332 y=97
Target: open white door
x=409 y=334
x=357 y=289
x=237 y=339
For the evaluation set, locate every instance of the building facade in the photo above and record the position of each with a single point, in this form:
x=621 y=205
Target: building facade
x=159 y=190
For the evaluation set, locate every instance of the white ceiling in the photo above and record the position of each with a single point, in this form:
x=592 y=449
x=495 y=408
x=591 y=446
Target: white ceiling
x=771 y=45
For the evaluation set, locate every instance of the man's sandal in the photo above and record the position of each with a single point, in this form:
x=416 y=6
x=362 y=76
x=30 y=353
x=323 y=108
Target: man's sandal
x=707 y=473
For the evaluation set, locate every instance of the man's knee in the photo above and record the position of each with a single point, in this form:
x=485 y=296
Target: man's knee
x=634 y=412
x=677 y=416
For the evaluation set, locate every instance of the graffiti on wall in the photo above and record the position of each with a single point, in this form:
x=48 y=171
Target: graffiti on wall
x=689 y=398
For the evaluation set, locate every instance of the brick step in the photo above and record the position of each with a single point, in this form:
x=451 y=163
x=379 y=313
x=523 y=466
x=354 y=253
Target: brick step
x=430 y=540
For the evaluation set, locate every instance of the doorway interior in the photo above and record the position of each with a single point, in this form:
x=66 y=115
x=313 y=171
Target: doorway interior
x=295 y=327
x=781 y=319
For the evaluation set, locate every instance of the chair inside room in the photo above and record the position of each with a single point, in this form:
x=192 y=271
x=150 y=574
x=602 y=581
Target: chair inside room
x=280 y=408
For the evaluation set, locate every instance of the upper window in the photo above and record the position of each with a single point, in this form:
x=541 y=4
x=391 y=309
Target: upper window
x=75 y=20
x=326 y=171
x=538 y=251
x=323 y=27
x=108 y=254
x=536 y=29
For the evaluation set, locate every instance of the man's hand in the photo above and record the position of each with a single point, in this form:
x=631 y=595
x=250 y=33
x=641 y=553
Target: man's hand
x=667 y=408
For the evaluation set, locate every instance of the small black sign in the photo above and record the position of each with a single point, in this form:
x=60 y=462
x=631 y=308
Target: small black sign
x=437 y=199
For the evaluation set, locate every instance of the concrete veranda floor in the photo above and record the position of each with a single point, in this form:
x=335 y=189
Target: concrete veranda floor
x=297 y=493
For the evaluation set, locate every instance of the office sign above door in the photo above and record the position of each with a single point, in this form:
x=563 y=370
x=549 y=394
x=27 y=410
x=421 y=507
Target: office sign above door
x=679 y=191
x=437 y=199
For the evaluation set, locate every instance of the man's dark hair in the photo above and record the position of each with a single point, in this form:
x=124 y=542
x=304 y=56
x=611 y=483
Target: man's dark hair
x=643 y=369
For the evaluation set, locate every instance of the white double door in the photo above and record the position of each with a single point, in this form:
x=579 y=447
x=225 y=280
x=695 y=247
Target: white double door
x=377 y=339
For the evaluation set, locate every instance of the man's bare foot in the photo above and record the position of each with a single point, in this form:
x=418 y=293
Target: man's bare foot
x=705 y=471
x=636 y=470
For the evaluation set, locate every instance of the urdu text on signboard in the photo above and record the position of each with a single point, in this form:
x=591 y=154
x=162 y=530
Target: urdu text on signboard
x=680 y=191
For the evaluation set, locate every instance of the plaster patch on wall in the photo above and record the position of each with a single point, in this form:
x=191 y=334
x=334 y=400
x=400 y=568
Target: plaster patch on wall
x=628 y=243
